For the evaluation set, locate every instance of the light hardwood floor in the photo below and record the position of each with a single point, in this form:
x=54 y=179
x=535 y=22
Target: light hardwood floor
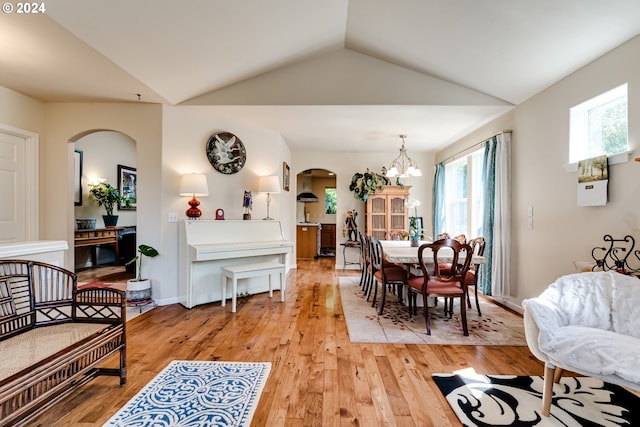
x=318 y=377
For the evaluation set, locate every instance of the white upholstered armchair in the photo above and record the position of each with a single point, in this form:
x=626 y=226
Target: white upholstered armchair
x=588 y=323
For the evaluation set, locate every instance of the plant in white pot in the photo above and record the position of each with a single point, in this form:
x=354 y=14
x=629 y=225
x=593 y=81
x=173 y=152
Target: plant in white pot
x=139 y=289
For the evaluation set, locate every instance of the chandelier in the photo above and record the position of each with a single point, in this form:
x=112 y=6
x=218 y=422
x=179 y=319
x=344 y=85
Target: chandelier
x=403 y=166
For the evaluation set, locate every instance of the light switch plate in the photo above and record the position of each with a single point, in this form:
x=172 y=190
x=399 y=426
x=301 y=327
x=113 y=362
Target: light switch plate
x=173 y=217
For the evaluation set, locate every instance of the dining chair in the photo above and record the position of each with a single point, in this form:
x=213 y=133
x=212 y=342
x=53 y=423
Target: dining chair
x=461 y=238
x=436 y=283
x=397 y=235
x=365 y=259
x=388 y=275
x=477 y=245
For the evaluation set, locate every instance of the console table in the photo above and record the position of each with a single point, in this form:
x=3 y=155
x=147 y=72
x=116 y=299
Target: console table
x=96 y=237
x=351 y=244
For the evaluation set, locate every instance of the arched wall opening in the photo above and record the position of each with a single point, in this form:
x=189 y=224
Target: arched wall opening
x=104 y=156
x=316 y=213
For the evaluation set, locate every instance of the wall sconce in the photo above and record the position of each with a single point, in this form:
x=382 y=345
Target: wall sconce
x=194 y=184
x=269 y=185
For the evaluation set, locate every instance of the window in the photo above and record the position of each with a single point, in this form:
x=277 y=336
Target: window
x=599 y=126
x=330 y=197
x=463 y=196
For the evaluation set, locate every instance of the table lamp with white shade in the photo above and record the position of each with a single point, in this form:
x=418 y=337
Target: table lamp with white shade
x=194 y=184
x=269 y=185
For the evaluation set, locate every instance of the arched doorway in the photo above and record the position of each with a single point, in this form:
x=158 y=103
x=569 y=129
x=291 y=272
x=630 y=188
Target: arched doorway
x=104 y=156
x=316 y=214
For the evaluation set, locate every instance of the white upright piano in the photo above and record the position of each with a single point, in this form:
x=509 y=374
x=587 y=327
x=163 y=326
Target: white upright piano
x=208 y=245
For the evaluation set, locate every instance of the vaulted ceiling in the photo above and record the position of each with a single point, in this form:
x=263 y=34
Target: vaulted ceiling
x=338 y=75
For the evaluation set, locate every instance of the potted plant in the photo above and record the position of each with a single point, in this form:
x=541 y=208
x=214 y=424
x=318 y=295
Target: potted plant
x=108 y=196
x=363 y=184
x=415 y=231
x=139 y=289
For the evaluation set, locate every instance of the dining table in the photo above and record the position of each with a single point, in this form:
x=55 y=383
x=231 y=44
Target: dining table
x=401 y=252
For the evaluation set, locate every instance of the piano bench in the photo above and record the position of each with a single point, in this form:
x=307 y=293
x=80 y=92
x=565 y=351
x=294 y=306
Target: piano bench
x=244 y=271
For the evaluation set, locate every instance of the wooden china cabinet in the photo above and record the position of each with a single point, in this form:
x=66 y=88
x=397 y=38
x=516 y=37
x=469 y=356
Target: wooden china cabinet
x=387 y=211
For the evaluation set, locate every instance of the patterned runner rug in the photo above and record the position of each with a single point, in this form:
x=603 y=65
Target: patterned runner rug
x=506 y=400
x=496 y=326
x=197 y=393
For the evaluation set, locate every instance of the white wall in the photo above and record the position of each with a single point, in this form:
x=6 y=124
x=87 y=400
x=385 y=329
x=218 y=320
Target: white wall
x=563 y=232
x=21 y=111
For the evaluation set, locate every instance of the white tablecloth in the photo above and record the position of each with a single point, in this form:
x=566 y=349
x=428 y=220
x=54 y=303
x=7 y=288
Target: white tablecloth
x=401 y=252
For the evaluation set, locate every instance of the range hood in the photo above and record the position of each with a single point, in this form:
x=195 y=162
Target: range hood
x=306 y=196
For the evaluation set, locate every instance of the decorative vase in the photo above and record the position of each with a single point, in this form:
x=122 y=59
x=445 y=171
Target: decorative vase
x=415 y=241
x=110 y=221
x=138 y=290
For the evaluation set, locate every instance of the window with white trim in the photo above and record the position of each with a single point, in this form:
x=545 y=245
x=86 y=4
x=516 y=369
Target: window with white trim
x=599 y=126
x=463 y=195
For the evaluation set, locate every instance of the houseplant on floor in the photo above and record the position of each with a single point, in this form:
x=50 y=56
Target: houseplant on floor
x=108 y=196
x=139 y=289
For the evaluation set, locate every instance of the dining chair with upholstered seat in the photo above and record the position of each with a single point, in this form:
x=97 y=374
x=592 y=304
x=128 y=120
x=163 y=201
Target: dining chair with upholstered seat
x=461 y=238
x=442 y=236
x=386 y=274
x=367 y=274
x=397 y=235
x=477 y=245
x=448 y=284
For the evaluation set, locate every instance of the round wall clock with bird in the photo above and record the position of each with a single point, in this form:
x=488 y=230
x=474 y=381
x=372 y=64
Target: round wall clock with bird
x=226 y=153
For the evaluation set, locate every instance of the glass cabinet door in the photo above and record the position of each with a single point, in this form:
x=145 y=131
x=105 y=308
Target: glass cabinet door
x=378 y=217
x=398 y=213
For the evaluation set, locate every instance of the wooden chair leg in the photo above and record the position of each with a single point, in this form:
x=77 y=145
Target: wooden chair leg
x=410 y=301
x=463 y=314
x=426 y=313
x=383 y=298
x=369 y=284
x=375 y=292
x=475 y=290
x=547 y=393
x=557 y=375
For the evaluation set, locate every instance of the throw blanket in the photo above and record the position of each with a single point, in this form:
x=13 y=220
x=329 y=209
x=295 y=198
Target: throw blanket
x=591 y=320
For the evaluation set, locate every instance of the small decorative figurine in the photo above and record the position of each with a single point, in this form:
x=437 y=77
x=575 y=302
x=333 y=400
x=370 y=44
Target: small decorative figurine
x=352 y=227
x=247 y=205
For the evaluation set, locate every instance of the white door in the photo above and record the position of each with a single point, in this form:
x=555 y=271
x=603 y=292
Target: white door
x=13 y=178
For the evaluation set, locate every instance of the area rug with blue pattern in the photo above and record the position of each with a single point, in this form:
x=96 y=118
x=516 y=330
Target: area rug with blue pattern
x=508 y=400
x=197 y=393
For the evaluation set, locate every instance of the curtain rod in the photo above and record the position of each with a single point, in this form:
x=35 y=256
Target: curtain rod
x=454 y=155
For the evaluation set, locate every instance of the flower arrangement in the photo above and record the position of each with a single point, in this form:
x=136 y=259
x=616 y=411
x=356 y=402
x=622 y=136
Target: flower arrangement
x=415 y=230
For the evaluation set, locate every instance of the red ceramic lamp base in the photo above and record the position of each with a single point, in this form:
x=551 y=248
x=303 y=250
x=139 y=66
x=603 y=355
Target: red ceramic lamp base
x=193 y=212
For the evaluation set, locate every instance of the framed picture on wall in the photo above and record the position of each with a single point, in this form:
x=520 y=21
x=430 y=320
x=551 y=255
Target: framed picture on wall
x=77 y=177
x=286 y=176
x=127 y=181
